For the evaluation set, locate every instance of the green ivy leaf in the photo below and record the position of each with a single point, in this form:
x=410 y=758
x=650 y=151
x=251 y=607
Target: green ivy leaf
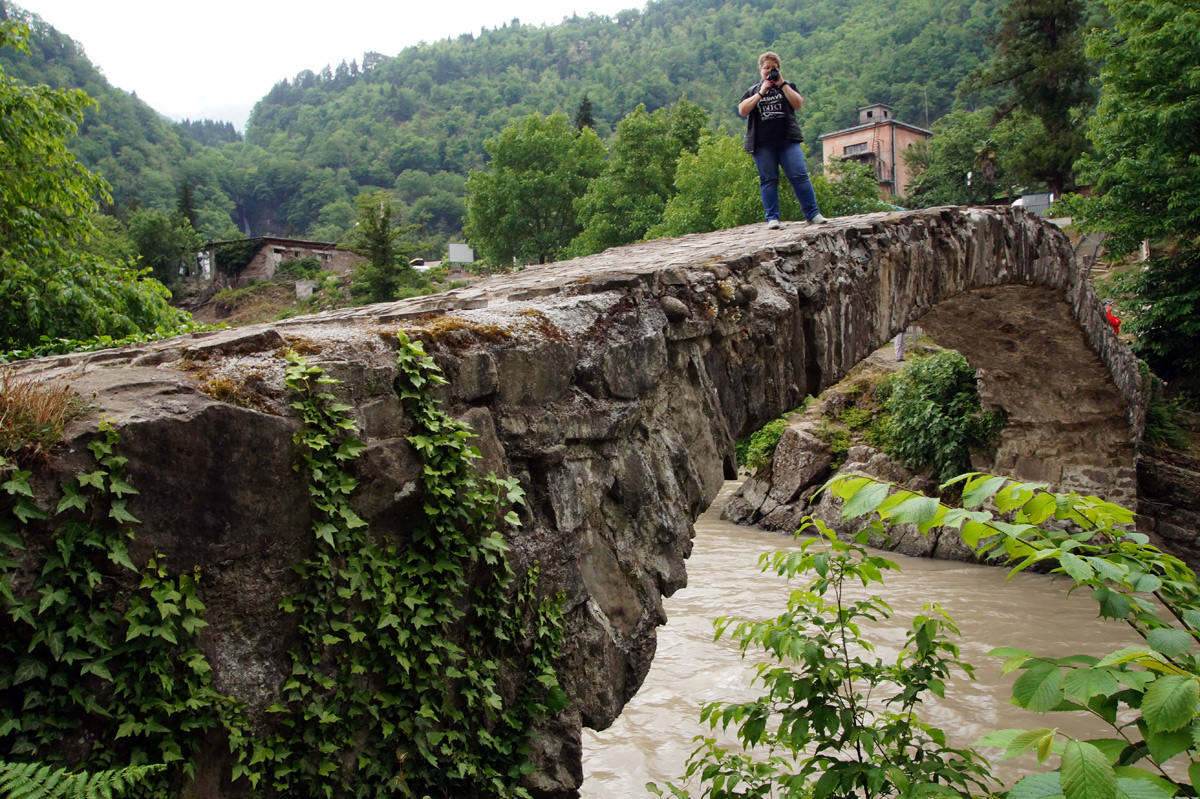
x=29 y=669
x=118 y=513
x=25 y=510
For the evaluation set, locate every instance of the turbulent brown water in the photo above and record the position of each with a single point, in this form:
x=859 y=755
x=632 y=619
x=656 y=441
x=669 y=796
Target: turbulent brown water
x=653 y=737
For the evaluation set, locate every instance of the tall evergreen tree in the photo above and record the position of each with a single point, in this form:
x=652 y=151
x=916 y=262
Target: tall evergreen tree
x=186 y=203
x=583 y=114
x=1040 y=63
x=379 y=239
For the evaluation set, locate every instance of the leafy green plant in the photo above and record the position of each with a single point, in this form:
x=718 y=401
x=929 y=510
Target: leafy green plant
x=1167 y=322
x=855 y=418
x=231 y=257
x=1162 y=426
x=1148 y=693
x=936 y=418
x=835 y=721
x=39 y=781
x=755 y=451
x=396 y=685
x=302 y=268
x=92 y=645
x=879 y=433
x=837 y=438
x=48 y=345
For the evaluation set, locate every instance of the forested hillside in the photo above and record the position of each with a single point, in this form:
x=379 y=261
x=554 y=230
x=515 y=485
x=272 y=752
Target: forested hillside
x=415 y=123
x=138 y=151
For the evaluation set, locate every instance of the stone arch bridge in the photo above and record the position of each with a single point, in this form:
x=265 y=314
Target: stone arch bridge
x=613 y=387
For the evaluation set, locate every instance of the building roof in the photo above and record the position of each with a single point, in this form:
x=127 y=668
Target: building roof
x=869 y=125
x=319 y=245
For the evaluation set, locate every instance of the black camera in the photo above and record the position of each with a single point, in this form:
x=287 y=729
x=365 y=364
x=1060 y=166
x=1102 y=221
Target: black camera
x=773 y=75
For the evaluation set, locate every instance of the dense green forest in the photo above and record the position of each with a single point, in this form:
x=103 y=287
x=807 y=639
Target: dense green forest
x=414 y=123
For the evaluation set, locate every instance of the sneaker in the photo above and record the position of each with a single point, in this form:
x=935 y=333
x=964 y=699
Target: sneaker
x=772 y=224
x=818 y=220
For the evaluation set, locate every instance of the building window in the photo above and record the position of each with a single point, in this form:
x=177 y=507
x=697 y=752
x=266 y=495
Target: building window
x=854 y=149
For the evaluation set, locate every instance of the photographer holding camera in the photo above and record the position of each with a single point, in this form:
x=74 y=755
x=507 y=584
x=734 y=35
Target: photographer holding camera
x=773 y=138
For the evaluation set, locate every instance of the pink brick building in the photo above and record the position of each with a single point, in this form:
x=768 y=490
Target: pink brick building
x=877 y=139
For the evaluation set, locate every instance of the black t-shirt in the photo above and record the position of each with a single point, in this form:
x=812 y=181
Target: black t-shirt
x=772 y=111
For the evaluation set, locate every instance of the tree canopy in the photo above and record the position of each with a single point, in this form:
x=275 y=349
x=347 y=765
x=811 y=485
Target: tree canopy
x=1146 y=131
x=629 y=197
x=522 y=207
x=1039 y=62
x=50 y=284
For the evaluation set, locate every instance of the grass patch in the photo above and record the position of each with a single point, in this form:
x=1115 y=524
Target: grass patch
x=837 y=438
x=33 y=415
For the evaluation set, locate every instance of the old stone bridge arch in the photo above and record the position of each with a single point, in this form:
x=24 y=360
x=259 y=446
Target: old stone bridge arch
x=613 y=387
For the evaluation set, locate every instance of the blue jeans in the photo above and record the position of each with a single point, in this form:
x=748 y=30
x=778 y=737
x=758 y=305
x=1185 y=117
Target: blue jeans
x=789 y=155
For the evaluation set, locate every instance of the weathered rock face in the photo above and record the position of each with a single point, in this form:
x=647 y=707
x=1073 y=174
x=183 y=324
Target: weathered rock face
x=612 y=386
x=1169 y=505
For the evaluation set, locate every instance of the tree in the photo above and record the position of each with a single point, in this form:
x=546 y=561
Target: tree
x=717 y=188
x=963 y=142
x=1039 y=58
x=629 y=198
x=1146 y=130
x=522 y=207
x=851 y=189
x=1146 y=174
x=185 y=203
x=377 y=238
x=166 y=243
x=583 y=114
x=49 y=284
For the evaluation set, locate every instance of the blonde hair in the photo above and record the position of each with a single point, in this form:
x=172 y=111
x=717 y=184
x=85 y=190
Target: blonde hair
x=769 y=56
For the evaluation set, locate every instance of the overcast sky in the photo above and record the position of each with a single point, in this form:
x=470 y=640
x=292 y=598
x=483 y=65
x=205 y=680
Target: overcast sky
x=216 y=58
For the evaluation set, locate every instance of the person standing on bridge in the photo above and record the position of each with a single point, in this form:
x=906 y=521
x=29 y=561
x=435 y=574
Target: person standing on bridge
x=773 y=139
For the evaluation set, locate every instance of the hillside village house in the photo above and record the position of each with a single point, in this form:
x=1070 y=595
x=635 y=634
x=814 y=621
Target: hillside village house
x=879 y=140
x=270 y=253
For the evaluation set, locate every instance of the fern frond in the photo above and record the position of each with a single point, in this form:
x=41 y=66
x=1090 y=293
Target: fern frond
x=41 y=781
